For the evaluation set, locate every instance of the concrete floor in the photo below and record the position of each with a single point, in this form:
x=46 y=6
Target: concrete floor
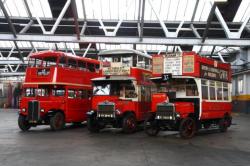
x=77 y=147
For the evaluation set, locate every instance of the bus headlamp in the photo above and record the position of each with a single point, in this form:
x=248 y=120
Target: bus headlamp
x=90 y=112
x=23 y=110
x=42 y=110
x=118 y=112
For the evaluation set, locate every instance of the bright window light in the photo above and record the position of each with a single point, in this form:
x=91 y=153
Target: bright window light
x=180 y=14
x=164 y=8
x=242 y=12
x=172 y=10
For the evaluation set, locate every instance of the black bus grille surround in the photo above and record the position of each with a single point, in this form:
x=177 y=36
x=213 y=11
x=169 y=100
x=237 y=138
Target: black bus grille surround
x=106 y=110
x=165 y=111
x=33 y=111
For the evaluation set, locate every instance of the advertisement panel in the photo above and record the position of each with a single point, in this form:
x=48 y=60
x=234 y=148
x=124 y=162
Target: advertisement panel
x=116 y=68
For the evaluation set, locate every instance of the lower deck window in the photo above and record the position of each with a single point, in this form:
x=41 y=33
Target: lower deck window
x=58 y=92
x=212 y=90
x=204 y=88
x=42 y=92
x=71 y=94
x=205 y=92
x=29 y=92
x=225 y=91
x=219 y=90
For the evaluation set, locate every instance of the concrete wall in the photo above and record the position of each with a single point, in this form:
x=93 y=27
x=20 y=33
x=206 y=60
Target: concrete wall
x=241 y=100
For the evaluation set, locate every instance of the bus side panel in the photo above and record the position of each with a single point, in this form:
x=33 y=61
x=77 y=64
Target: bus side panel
x=76 y=109
x=215 y=110
x=184 y=108
x=143 y=107
x=67 y=75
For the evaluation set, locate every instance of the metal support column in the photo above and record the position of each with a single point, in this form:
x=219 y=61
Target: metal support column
x=142 y=19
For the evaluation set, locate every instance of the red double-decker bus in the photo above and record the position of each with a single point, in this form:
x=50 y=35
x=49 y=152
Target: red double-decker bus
x=122 y=97
x=191 y=93
x=57 y=89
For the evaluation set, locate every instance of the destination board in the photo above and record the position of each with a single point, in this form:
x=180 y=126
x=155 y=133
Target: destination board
x=173 y=65
x=213 y=73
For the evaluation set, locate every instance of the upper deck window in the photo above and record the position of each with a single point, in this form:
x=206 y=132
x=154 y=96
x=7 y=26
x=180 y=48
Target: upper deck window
x=97 y=67
x=62 y=61
x=91 y=67
x=82 y=65
x=127 y=61
x=35 y=62
x=72 y=63
x=49 y=61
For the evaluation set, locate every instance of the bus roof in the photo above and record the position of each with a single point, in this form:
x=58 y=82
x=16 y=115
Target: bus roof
x=174 y=76
x=124 y=51
x=42 y=54
x=114 y=78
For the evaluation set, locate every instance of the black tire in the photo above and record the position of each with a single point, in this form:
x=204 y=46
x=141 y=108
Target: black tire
x=57 y=121
x=187 y=128
x=23 y=123
x=92 y=125
x=206 y=125
x=129 y=124
x=224 y=123
x=151 y=126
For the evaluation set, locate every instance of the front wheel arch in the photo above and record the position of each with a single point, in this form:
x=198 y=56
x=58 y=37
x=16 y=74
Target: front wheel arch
x=52 y=112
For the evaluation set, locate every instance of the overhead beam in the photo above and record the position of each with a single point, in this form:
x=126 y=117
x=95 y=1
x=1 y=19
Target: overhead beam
x=26 y=28
x=127 y=40
x=75 y=15
x=28 y=9
x=192 y=20
x=12 y=28
x=209 y=19
x=9 y=74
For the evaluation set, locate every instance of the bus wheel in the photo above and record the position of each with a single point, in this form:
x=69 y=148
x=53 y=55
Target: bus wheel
x=187 y=128
x=129 y=124
x=93 y=125
x=151 y=126
x=57 y=122
x=23 y=123
x=224 y=123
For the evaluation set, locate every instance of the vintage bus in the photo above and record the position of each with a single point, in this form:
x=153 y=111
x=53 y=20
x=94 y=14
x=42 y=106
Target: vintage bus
x=122 y=97
x=57 y=89
x=191 y=92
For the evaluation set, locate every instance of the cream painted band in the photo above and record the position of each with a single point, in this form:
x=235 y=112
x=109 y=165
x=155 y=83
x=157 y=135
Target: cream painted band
x=241 y=97
x=55 y=83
